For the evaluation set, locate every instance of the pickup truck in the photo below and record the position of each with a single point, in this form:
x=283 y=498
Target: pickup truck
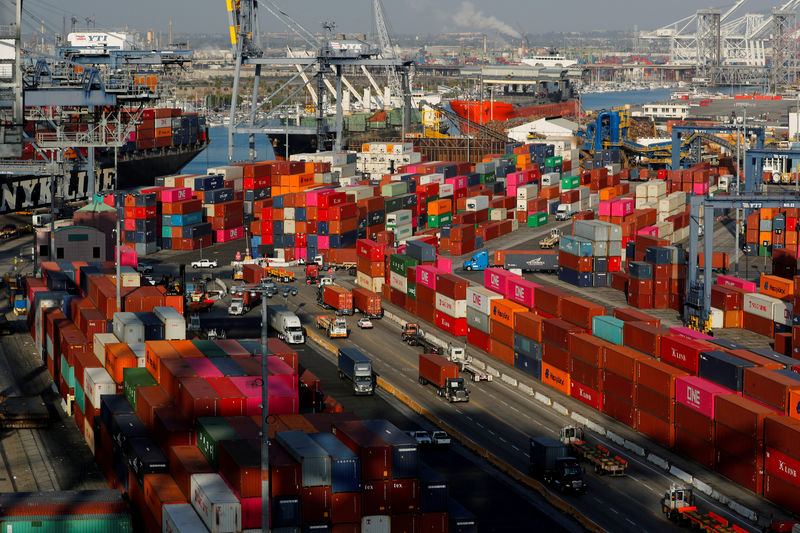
x=205 y=263
x=335 y=327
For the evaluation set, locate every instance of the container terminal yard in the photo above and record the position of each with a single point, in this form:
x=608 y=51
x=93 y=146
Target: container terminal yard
x=434 y=317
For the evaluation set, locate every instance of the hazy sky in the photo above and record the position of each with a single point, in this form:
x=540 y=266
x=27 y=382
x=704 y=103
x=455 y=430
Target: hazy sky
x=405 y=16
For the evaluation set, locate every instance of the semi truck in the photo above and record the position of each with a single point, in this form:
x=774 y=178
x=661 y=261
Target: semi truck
x=312 y=274
x=242 y=301
x=335 y=297
x=550 y=461
x=335 y=327
x=678 y=506
x=356 y=367
x=525 y=260
x=367 y=302
x=287 y=324
x=443 y=375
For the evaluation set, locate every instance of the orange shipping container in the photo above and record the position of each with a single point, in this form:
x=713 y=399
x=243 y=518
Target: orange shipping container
x=439 y=207
x=503 y=311
x=777 y=287
x=119 y=357
x=558 y=379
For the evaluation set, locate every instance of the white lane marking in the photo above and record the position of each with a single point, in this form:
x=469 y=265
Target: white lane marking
x=502 y=439
x=613 y=510
x=515 y=409
x=515 y=447
x=630 y=521
x=597 y=499
x=459 y=411
x=504 y=403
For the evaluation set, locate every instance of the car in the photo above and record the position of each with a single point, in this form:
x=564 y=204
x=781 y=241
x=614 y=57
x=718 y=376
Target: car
x=422 y=437
x=145 y=268
x=440 y=438
x=365 y=323
x=205 y=263
x=149 y=279
x=294 y=291
x=9 y=230
x=286 y=292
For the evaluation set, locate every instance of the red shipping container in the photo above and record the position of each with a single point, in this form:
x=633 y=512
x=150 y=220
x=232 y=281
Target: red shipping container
x=726 y=298
x=588 y=348
x=170 y=428
x=285 y=473
x=502 y=333
x=232 y=402
x=682 y=352
x=694 y=447
x=375 y=497
x=740 y=471
x=454 y=326
x=778 y=464
x=769 y=387
x=404 y=495
x=657 y=376
x=585 y=373
x=148 y=399
x=558 y=332
x=184 y=461
x=160 y=490
x=622 y=360
x=434 y=523
x=654 y=403
x=742 y=414
x=652 y=426
x=548 y=299
x=315 y=503
x=735 y=443
x=782 y=493
x=643 y=337
x=588 y=395
x=240 y=465
x=478 y=339
x=374 y=452
x=555 y=356
x=694 y=422
x=617 y=385
x=619 y=409
x=451 y=286
x=196 y=398
x=345 y=507
x=782 y=433
x=501 y=351
x=580 y=311
x=633 y=315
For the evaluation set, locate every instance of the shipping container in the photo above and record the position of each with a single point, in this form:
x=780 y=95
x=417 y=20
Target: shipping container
x=315 y=461
x=216 y=504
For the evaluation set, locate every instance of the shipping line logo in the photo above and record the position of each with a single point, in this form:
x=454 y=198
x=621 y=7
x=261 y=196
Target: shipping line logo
x=693 y=396
x=553 y=377
x=774 y=288
x=678 y=355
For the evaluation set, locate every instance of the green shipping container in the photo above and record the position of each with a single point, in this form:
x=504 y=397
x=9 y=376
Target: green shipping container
x=67 y=372
x=488 y=178
x=764 y=251
x=209 y=348
x=393 y=204
x=399 y=263
x=537 y=219
x=437 y=221
x=411 y=290
x=570 y=182
x=210 y=432
x=132 y=379
x=608 y=328
x=553 y=161
x=396 y=188
x=100 y=523
x=80 y=399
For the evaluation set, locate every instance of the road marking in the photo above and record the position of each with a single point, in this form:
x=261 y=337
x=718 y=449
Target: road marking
x=613 y=510
x=504 y=402
x=629 y=520
x=513 y=446
x=515 y=409
x=502 y=439
x=597 y=499
x=459 y=411
x=492 y=432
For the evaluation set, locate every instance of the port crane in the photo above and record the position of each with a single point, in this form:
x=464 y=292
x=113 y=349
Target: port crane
x=329 y=56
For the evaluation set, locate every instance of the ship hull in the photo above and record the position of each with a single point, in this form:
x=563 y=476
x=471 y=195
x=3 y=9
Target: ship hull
x=139 y=169
x=483 y=111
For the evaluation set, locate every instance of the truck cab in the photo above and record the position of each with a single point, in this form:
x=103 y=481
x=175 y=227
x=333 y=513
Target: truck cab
x=563 y=212
x=479 y=261
x=676 y=499
x=456 y=390
x=237 y=306
x=568 y=475
x=312 y=274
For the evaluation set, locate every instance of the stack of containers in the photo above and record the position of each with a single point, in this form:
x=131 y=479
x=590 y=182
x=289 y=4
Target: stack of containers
x=587 y=258
x=182 y=226
x=460 y=239
x=501 y=328
x=479 y=302
x=655 y=399
x=370 y=265
x=400 y=223
x=782 y=461
x=398 y=277
x=739 y=440
x=556 y=335
x=451 y=304
x=385 y=158
x=141 y=222
x=694 y=418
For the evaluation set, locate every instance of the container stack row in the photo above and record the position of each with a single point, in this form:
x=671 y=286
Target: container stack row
x=654 y=275
x=591 y=255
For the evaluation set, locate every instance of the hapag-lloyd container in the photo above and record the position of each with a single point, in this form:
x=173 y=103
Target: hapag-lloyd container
x=521 y=291
x=698 y=394
x=682 y=352
x=504 y=310
x=558 y=379
x=496 y=279
x=454 y=308
x=216 y=504
x=585 y=394
x=479 y=298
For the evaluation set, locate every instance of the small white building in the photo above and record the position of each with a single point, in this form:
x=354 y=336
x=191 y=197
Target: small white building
x=665 y=111
x=550 y=129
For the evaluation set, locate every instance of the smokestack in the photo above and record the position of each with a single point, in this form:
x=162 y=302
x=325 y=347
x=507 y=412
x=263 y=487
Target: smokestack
x=485 y=51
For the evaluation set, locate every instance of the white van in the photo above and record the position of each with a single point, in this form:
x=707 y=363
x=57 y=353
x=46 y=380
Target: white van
x=40 y=220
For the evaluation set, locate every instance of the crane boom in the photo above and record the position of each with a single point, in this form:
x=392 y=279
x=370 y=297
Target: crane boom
x=387 y=50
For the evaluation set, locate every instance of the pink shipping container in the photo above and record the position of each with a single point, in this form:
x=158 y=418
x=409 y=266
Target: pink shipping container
x=496 y=279
x=698 y=394
x=733 y=281
x=323 y=242
x=622 y=207
x=426 y=276
x=651 y=231
x=282 y=400
x=458 y=182
x=231 y=234
x=689 y=333
x=700 y=188
x=521 y=291
x=444 y=264
x=604 y=209
x=128 y=256
x=176 y=194
x=251 y=512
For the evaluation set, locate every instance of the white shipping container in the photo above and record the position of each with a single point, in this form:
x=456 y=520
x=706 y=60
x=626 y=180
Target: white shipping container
x=527 y=192
x=453 y=308
x=431 y=178
x=174 y=323
x=782 y=312
x=228 y=172
x=401 y=233
x=398 y=282
x=445 y=190
x=140 y=351
x=717 y=318
x=128 y=328
x=480 y=298
x=584 y=192
x=289 y=227
x=100 y=341
x=759 y=305
x=96 y=382
x=130 y=277
x=641 y=191
x=398 y=218
x=216 y=504
x=181 y=518
x=376 y=524
x=499 y=214
x=478 y=203
x=88 y=434
x=656 y=189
